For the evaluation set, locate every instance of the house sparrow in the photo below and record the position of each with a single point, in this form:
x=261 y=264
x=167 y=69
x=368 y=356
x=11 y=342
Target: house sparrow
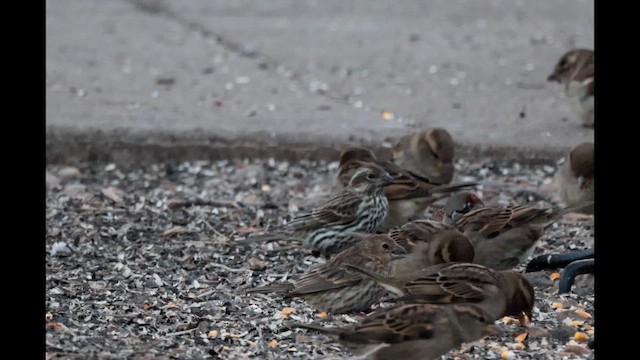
x=332 y=288
x=500 y=293
x=429 y=153
x=575 y=177
x=412 y=331
x=575 y=70
x=428 y=243
x=502 y=236
x=408 y=194
x=360 y=206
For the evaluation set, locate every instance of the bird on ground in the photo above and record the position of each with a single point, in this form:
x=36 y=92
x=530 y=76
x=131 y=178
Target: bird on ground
x=575 y=70
x=429 y=152
x=333 y=288
x=411 y=331
x=500 y=293
x=409 y=194
x=360 y=206
x=575 y=177
x=502 y=236
x=429 y=242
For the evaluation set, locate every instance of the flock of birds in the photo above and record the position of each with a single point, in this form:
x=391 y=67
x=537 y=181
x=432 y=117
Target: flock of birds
x=452 y=275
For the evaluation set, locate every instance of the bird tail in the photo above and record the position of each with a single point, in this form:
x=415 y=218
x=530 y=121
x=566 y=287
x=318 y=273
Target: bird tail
x=279 y=288
x=325 y=330
x=440 y=191
x=559 y=213
x=264 y=238
x=573 y=208
x=382 y=280
x=448 y=188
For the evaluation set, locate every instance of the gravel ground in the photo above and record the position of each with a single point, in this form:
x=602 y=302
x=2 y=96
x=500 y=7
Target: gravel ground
x=143 y=263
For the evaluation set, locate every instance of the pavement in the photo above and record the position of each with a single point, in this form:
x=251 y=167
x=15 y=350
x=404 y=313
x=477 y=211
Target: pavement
x=143 y=81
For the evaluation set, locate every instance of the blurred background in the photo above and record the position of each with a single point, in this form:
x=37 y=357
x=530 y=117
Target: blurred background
x=131 y=81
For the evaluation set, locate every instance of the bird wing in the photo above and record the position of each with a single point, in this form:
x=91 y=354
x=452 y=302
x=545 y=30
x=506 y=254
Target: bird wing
x=393 y=325
x=449 y=283
x=324 y=278
x=341 y=209
x=490 y=221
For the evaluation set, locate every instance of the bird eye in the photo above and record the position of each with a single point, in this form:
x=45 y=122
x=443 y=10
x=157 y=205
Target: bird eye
x=370 y=176
x=564 y=66
x=482 y=319
x=385 y=246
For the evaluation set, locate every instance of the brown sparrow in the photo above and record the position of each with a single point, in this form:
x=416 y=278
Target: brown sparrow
x=502 y=236
x=429 y=243
x=412 y=331
x=575 y=177
x=408 y=194
x=332 y=288
x=575 y=70
x=429 y=152
x=360 y=206
x=500 y=293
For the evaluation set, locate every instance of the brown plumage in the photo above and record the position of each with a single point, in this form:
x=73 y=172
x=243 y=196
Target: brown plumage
x=502 y=236
x=429 y=152
x=332 y=288
x=576 y=71
x=500 y=293
x=412 y=331
x=360 y=206
x=429 y=243
x=409 y=194
x=575 y=177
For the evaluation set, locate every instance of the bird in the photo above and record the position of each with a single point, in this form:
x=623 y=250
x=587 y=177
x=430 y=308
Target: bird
x=360 y=206
x=575 y=177
x=333 y=288
x=429 y=242
x=409 y=194
x=411 y=331
x=429 y=152
x=500 y=293
x=575 y=70
x=502 y=236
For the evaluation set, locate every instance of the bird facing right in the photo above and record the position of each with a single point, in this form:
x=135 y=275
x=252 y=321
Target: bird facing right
x=500 y=293
x=412 y=331
x=429 y=243
x=333 y=288
x=575 y=177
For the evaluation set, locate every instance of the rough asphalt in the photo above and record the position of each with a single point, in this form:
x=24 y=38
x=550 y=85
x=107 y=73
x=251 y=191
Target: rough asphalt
x=144 y=81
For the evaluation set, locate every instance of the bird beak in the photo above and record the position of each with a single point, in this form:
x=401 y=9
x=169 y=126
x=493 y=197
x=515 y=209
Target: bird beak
x=524 y=318
x=553 y=77
x=493 y=330
x=387 y=179
x=398 y=253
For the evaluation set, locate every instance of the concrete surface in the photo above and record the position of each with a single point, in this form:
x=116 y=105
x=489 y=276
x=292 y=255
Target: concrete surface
x=139 y=81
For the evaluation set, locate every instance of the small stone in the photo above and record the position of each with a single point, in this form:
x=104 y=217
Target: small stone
x=51 y=181
x=562 y=332
x=537 y=332
x=69 y=172
x=577 y=349
x=74 y=190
